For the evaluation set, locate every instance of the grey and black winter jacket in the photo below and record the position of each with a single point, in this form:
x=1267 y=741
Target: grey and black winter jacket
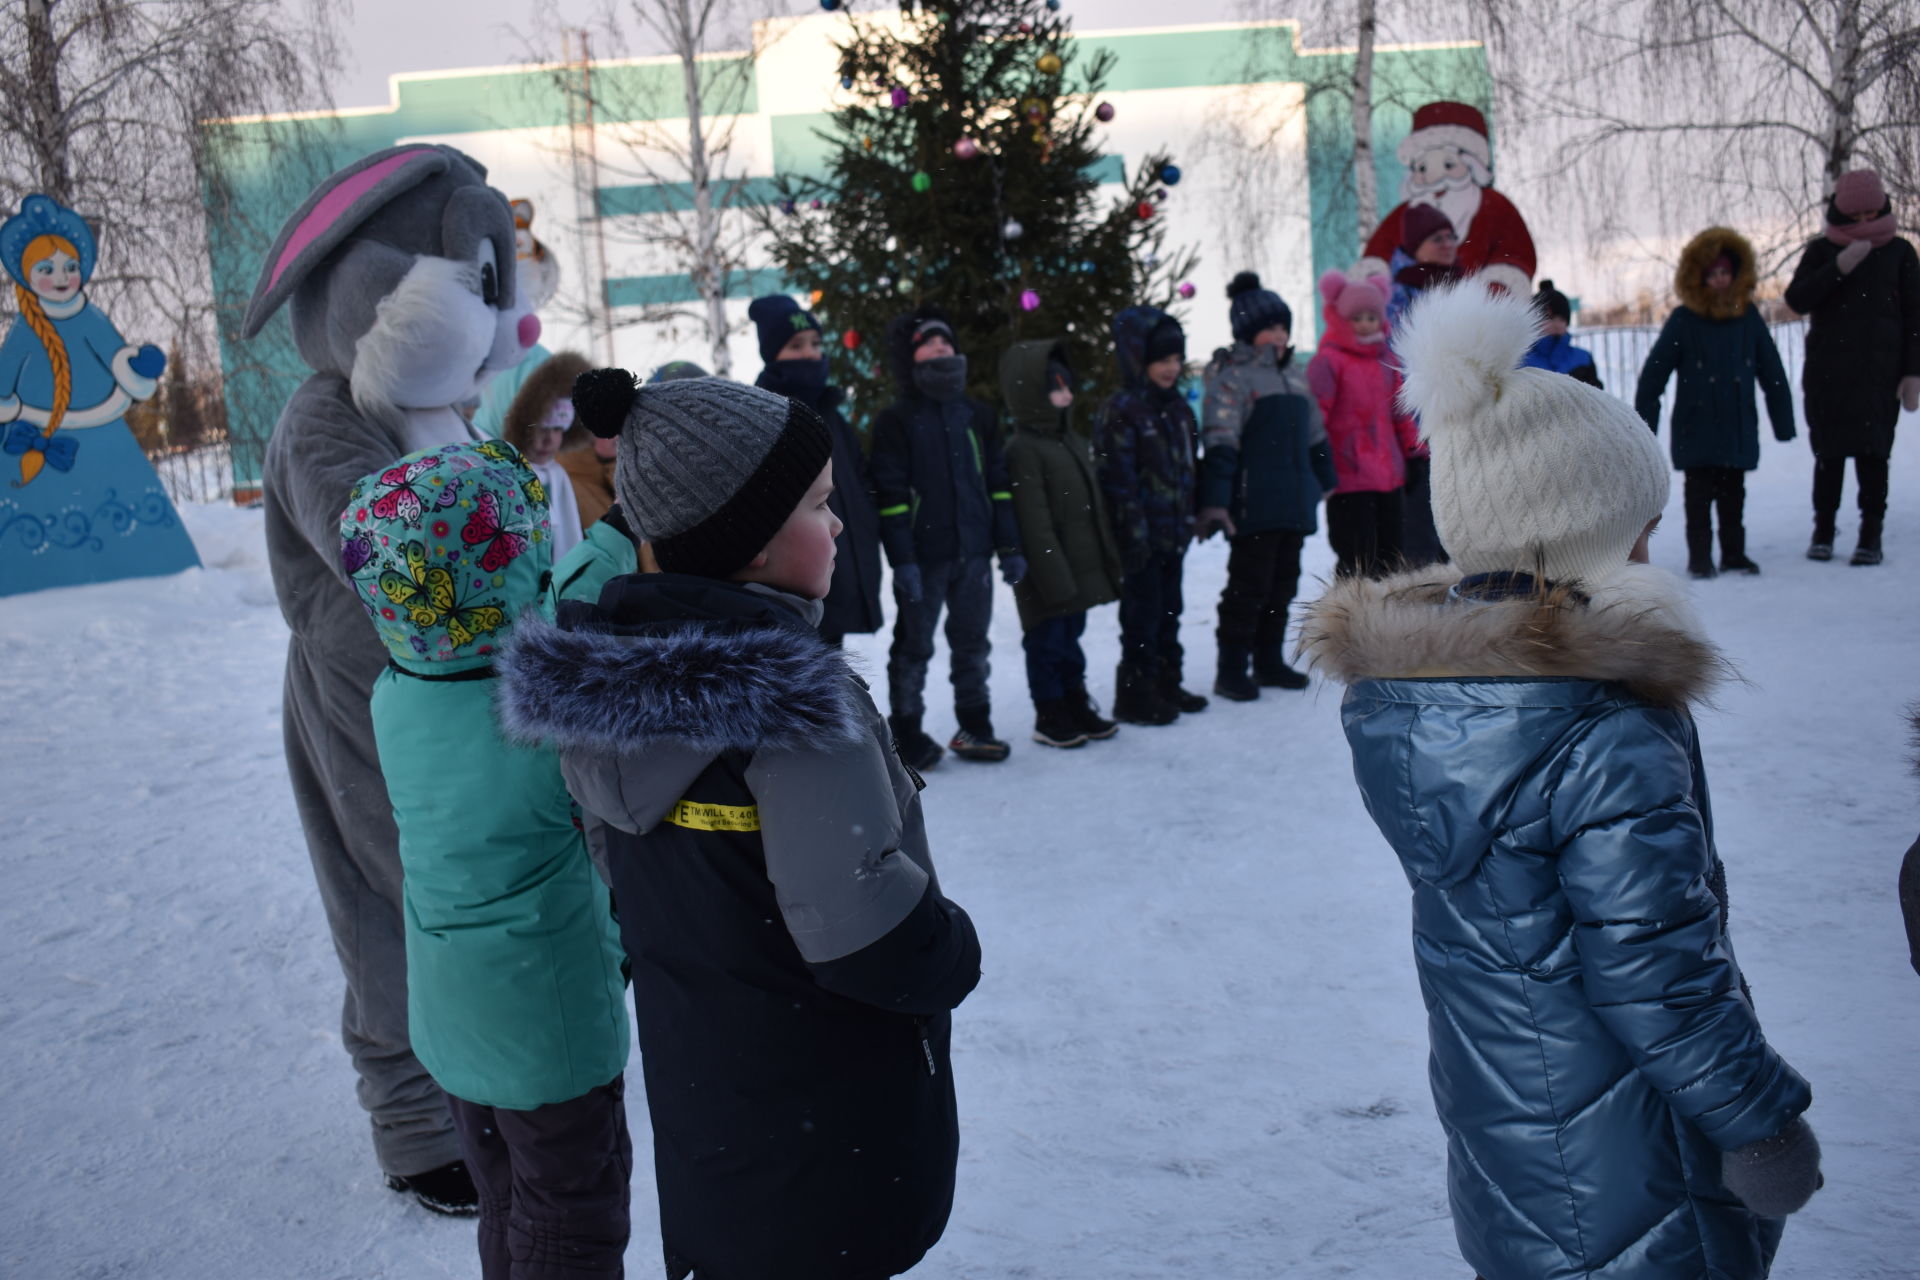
x=794 y=960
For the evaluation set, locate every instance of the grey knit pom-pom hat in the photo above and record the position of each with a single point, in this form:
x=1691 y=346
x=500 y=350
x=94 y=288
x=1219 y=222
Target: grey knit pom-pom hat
x=707 y=470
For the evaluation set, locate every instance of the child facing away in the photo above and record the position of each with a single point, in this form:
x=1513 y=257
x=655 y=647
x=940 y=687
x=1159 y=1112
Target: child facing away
x=538 y=422
x=1265 y=470
x=1521 y=735
x=1859 y=287
x=1149 y=449
x=1072 y=563
x=945 y=510
x=514 y=999
x=789 y=340
x=794 y=960
x=1372 y=438
x=1719 y=342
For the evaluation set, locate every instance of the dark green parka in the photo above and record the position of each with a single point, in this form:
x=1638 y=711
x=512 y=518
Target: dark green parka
x=1073 y=562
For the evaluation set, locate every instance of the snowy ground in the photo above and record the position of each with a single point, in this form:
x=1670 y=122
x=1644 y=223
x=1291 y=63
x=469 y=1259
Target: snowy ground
x=1199 y=1048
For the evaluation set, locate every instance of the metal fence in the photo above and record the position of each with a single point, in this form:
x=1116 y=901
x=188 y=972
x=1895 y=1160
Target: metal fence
x=204 y=474
x=1618 y=353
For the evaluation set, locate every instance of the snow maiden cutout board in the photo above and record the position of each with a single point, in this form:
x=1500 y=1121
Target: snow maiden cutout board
x=81 y=502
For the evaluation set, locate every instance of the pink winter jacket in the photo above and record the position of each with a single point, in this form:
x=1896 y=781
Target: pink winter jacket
x=1355 y=384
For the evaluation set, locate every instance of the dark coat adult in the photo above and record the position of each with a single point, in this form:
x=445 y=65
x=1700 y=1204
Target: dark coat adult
x=1721 y=346
x=1863 y=336
x=939 y=472
x=1073 y=563
x=1149 y=451
x=853 y=603
x=1594 y=1050
x=794 y=960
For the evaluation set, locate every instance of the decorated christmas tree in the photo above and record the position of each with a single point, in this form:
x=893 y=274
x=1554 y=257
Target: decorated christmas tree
x=966 y=172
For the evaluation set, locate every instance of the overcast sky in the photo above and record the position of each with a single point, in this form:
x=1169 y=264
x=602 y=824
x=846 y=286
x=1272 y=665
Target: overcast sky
x=384 y=37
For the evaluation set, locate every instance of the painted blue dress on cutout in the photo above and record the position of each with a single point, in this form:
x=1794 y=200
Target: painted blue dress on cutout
x=106 y=515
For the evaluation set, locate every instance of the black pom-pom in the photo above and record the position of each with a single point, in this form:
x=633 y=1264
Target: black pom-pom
x=1245 y=282
x=602 y=398
x=1546 y=286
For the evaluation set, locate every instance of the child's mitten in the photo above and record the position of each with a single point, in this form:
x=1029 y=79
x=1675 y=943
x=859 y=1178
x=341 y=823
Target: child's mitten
x=906 y=580
x=1775 y=1176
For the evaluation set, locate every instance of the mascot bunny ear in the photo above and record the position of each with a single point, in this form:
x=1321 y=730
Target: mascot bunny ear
x=333 y=212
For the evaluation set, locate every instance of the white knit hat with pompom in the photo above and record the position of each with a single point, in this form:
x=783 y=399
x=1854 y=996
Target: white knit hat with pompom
x=1533 y=471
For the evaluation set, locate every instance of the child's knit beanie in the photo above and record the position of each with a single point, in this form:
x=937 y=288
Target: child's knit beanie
x=1255 y=308
x=1552 y=303
x=1166 y=338
x=1420 y=223
x=776 y=318
x=1533 y=472
x=1350 y=295
x=708 y=470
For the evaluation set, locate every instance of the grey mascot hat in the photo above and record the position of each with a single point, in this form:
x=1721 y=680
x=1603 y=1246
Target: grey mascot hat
x=358 y=226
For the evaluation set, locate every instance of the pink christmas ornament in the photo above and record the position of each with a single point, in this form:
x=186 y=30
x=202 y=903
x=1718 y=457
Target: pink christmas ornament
x=898 y=97
x=1029 y=300
x=1186 y=289
x=966 y=148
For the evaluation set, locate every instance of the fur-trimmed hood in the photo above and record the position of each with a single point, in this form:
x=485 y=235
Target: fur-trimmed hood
x=1689 y=278
x=1635 y=629
x=678 y=661
x=552 y=380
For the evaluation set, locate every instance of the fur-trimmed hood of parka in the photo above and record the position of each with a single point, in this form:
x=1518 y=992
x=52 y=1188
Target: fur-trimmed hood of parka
x=552 y=380
x=1635 y=629
x=1690 y=277
x=679 y=661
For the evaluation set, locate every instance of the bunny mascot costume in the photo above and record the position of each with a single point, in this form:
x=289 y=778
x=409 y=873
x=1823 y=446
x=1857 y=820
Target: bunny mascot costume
x=401 y=274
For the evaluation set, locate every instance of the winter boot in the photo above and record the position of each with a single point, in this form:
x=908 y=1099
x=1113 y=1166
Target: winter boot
x=975 y=741
x=1733 y=550
x=1868 y=552
x=1185 y=702
x=448 y=1190
x=919 y=751
x=1137 y=700
x=1230 y=679
x=1700 y=550
x=1270 y=669
x=1821 y=548
x=1055 y=725
x=1087 y=715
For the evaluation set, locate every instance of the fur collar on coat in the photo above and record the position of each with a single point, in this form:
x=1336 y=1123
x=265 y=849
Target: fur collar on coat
x=1635 y=629
x=1690 y=277
x=708 y=687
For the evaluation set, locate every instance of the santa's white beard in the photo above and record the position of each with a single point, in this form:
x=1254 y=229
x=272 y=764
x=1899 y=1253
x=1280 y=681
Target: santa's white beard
x=1458 y=203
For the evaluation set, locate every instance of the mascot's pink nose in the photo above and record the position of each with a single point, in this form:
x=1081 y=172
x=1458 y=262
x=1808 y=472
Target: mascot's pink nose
x=529 y=329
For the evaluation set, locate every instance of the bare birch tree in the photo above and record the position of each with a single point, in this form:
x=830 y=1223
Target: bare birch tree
x=102 y=112
x=678 y=148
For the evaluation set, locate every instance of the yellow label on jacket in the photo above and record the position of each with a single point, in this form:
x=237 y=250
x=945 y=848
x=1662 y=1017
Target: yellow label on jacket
x=695 y=816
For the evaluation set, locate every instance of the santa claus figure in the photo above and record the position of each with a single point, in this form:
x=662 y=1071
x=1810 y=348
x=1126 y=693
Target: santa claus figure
x=1450 y=166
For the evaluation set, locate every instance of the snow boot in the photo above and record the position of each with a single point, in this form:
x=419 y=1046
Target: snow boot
x=975 y=740
x=1185 y=702
x=448 y=1190
x=1733 y=550
x=1270 y=669
x=1055 y=725
x=1821 y=548
x=1700 y=551
x=1230 y=679
x=919 y=751
x=1868 y=550
x=1087 y=715
x=1137 y=698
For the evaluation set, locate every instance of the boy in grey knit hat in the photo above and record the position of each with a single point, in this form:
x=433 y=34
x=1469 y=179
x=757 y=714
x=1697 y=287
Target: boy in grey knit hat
x=792 y=953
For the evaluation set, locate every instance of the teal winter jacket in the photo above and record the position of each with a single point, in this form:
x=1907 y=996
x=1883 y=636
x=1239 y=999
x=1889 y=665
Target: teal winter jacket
x=1594 y=1049
x=515 y=991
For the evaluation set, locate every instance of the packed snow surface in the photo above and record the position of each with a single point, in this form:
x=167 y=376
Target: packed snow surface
x=1198 y=1050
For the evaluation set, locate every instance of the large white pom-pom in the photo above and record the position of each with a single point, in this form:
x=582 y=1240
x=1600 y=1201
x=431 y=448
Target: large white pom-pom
x=1459 y=347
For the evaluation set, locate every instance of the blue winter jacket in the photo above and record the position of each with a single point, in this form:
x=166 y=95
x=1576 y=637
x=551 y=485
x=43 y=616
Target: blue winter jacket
x=1715 y=421
x=1594 y=1050
x=1556 y=352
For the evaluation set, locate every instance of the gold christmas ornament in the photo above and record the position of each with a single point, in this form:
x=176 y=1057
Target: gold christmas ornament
x=1049 y=64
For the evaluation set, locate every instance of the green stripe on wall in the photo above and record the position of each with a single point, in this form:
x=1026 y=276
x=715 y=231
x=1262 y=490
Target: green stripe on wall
x=670 y=290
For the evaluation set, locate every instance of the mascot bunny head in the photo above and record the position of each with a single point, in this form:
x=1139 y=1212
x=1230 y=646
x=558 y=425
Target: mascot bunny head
x=402 y=272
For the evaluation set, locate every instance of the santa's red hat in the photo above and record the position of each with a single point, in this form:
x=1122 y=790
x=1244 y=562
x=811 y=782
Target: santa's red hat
x=1454 y=124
